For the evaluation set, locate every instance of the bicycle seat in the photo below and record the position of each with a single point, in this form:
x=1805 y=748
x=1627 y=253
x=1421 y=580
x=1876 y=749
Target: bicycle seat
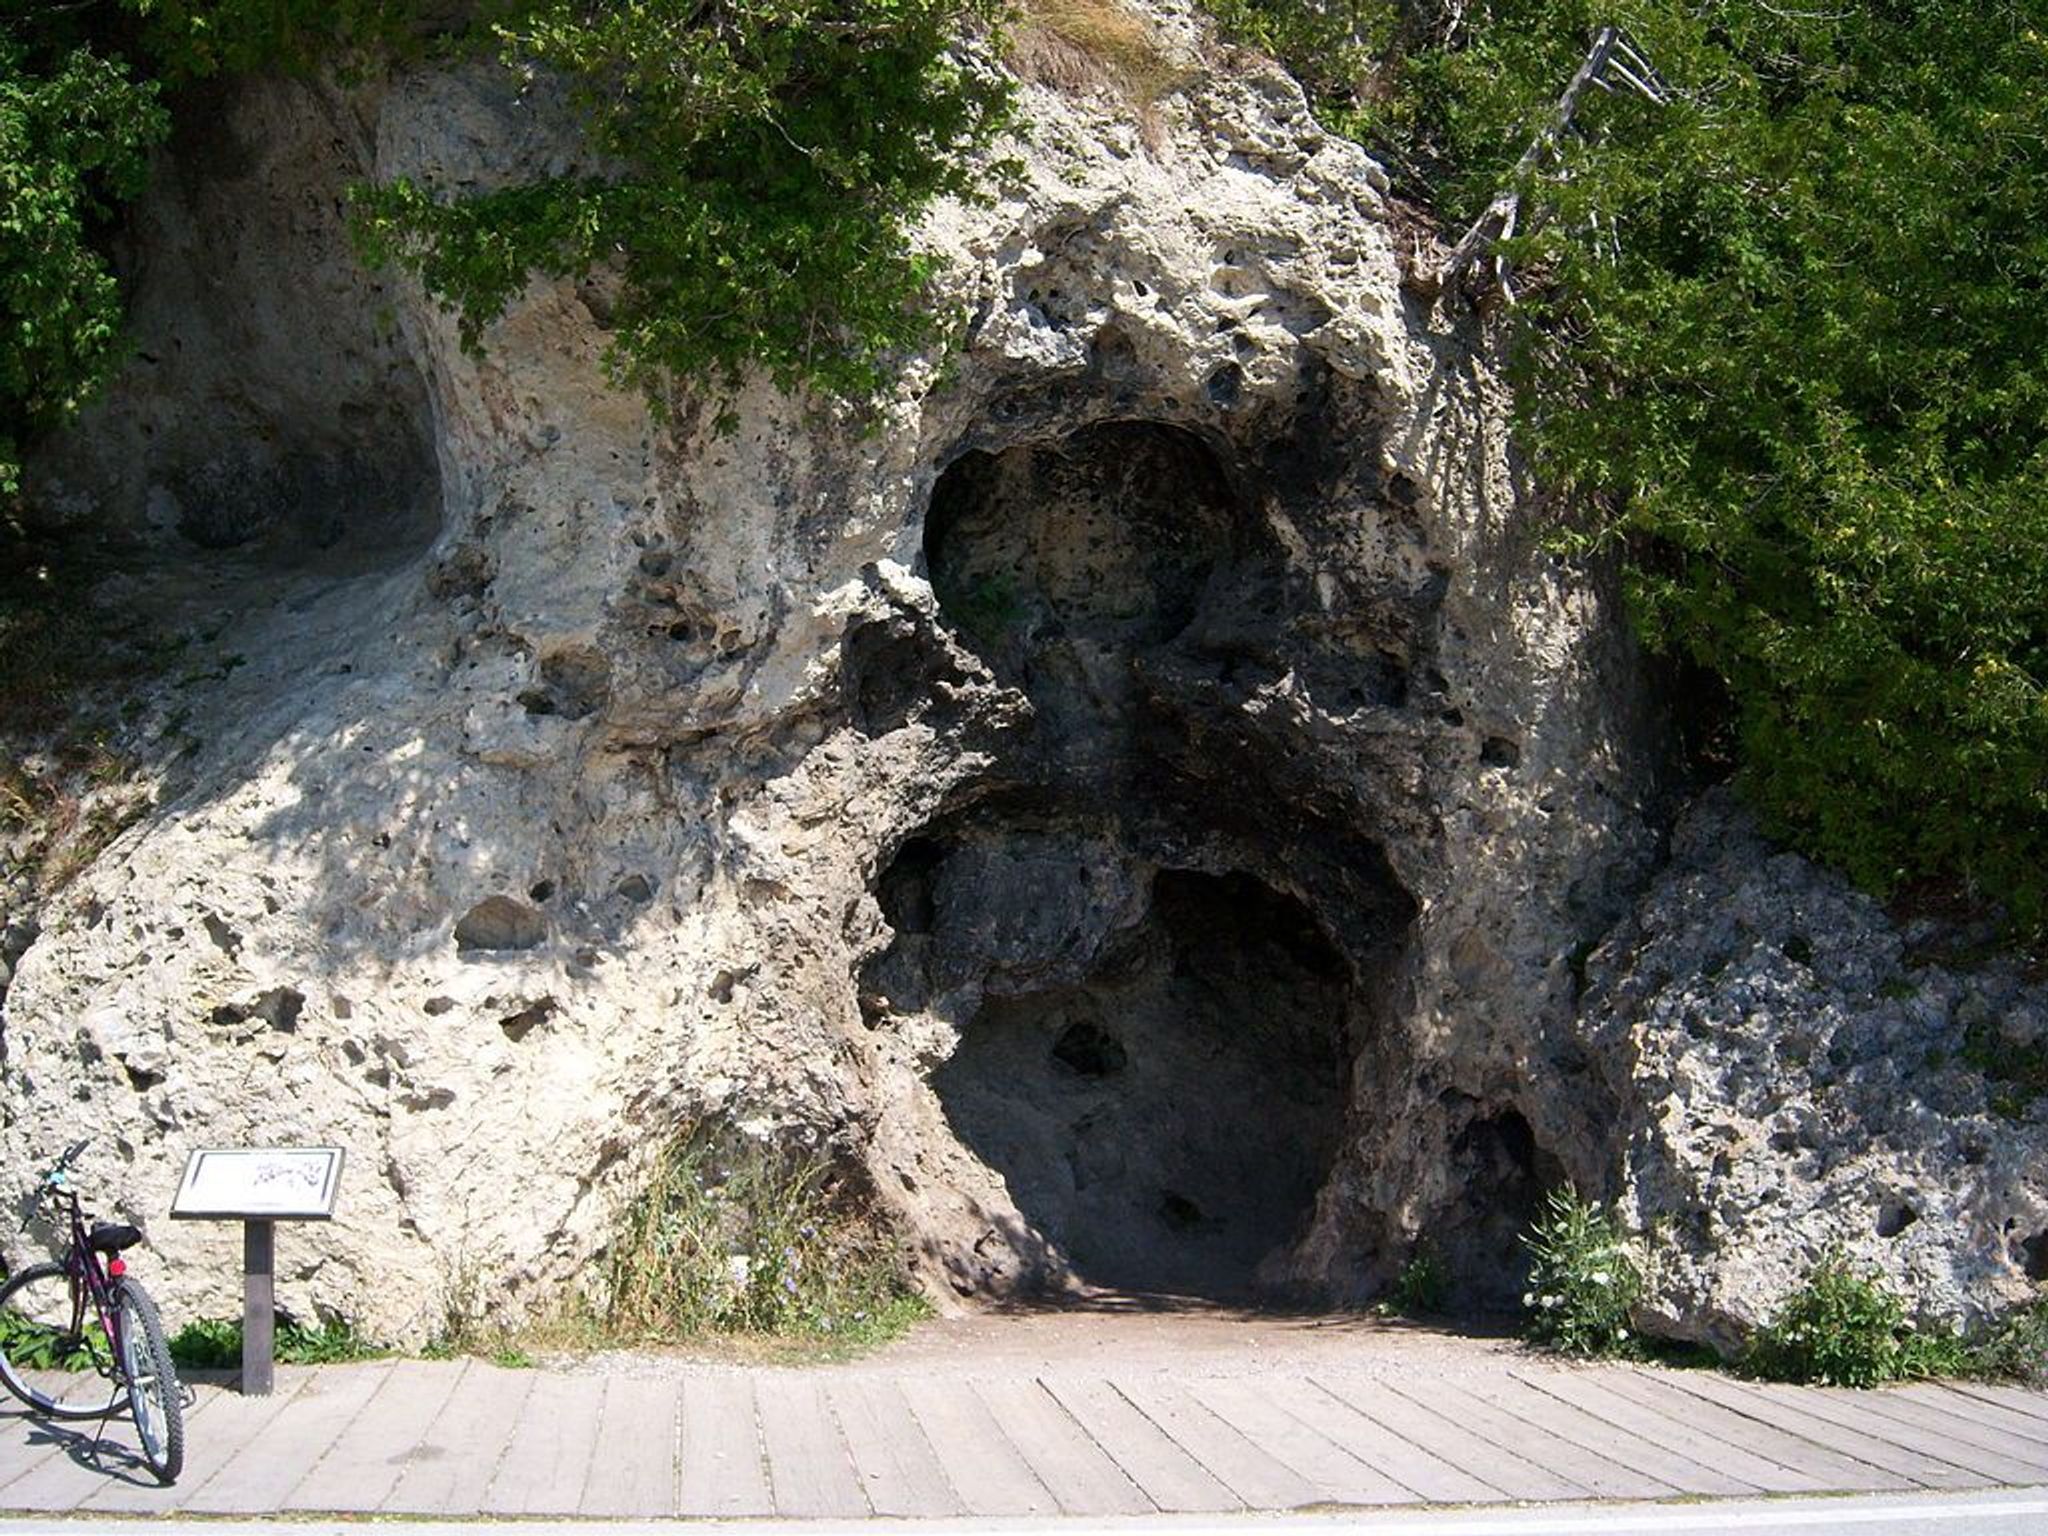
x=112 y=1237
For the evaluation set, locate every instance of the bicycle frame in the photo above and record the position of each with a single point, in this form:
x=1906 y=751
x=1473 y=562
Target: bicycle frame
x=92 y=1275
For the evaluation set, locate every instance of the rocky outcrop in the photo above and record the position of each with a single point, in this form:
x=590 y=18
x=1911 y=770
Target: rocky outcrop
x=1800 y=1077
x=1137 y=797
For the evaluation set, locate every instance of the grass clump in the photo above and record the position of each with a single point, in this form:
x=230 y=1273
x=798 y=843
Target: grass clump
x=734 y=1238
x=1584 y=1280
x=1081 y=44
x=1843 y=1327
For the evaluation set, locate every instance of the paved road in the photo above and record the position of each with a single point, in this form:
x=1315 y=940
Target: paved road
x=1097 y=1440
x=2000 y=1513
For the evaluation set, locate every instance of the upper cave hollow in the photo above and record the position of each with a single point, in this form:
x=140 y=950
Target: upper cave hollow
x=1158 y=931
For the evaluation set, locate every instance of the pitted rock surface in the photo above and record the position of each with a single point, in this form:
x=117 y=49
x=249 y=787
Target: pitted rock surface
x=1796 y=1083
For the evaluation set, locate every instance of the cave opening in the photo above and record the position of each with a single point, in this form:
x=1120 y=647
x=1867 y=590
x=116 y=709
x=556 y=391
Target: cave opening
x=1166 y=1119
x=1156 y=931
x=1154 y=1060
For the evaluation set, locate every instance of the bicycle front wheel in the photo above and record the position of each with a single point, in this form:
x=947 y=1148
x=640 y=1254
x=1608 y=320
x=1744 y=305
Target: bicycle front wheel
x=53 y=1354
x=154 y=1396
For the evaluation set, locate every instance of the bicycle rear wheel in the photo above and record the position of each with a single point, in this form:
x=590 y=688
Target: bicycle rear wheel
x=154 y=1397
x=53 y=1355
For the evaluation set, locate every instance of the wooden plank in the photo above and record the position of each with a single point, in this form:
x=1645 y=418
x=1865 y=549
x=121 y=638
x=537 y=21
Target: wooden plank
x=548 y=1456
x=1337 y=1476
x=1536 y=1443
x=1167 y=1475
x=362 y=1467
x=27 y=1443
x=1074 y=1469
x=1948 y=1397
x=634 y=1470
x=448 y=1472
x=312 y=1419
x=1597 y=1394
x=107 y=1455
x=1250 y=1473
x=809 y=1470
x=991 y=1478
x=1327 y=1406
x=1580 y=1426
x=1418 y=1423
x=897 y=1467
x=722 y=1468
x=1802 y=1411
x=2020 y=1400
x=1821 y=1469
x=1936 y=1427
x=231 y=1423
x=75 y=1460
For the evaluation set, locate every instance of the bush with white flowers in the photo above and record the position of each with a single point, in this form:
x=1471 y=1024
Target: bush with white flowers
x=1584 y=1279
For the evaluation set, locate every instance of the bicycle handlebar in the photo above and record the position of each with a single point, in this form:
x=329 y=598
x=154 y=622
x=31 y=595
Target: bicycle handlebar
x=57 y=1181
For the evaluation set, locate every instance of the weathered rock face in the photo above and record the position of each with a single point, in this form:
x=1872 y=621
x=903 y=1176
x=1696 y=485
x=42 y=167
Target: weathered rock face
x=1137 y=799
x=1796 y=1080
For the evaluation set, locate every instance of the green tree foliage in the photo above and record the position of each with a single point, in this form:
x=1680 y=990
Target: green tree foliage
x=195 y=39
x=757 y=168
x=75 y=130
x=1785 y=347
x=752 y=171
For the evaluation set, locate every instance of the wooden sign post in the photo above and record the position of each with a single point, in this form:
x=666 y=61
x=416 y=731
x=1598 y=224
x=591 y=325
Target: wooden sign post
x=259 y=1187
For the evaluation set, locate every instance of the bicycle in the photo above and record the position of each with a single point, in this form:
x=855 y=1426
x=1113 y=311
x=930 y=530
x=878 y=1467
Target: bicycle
x=78 y=1336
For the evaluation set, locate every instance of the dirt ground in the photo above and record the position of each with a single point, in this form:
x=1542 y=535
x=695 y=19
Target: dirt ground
x=1131 y=1332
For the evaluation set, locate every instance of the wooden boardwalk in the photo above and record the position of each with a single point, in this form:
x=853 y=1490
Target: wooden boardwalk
x=464 y=1437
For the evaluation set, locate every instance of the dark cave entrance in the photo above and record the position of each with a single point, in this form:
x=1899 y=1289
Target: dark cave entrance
x=1158 y=1061
x=1158 y=925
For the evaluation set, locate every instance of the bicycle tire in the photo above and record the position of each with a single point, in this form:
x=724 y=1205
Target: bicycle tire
x=42 y=1293
x=155 y=1400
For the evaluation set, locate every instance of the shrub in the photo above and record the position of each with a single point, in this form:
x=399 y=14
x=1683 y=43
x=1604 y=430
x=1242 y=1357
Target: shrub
x=2017 y=1349
x=44 y=1347
x=1583 y=1279
x=1844 y=1328
x=733 y=1237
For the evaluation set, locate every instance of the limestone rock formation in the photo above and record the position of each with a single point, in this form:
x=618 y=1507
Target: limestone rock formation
x=1137 y=798
x=1798 y=1077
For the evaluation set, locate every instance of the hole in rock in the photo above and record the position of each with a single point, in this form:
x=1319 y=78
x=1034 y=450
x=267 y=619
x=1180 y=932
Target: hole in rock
x=2036 y=1250
x=1504 y=1173
x=1103 y=539
x=1894 y=1216
x=1162 y=1099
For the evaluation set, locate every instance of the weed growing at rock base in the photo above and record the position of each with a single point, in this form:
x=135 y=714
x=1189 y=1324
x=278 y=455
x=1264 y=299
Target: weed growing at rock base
x=1423 y=1287
x=216 y=1344
x=41 y=1347
x=1844 y=1328
x=1584 y=1281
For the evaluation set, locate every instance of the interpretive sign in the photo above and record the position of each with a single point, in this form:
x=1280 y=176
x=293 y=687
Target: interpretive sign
x=270 y=1183
x=259 y=1187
